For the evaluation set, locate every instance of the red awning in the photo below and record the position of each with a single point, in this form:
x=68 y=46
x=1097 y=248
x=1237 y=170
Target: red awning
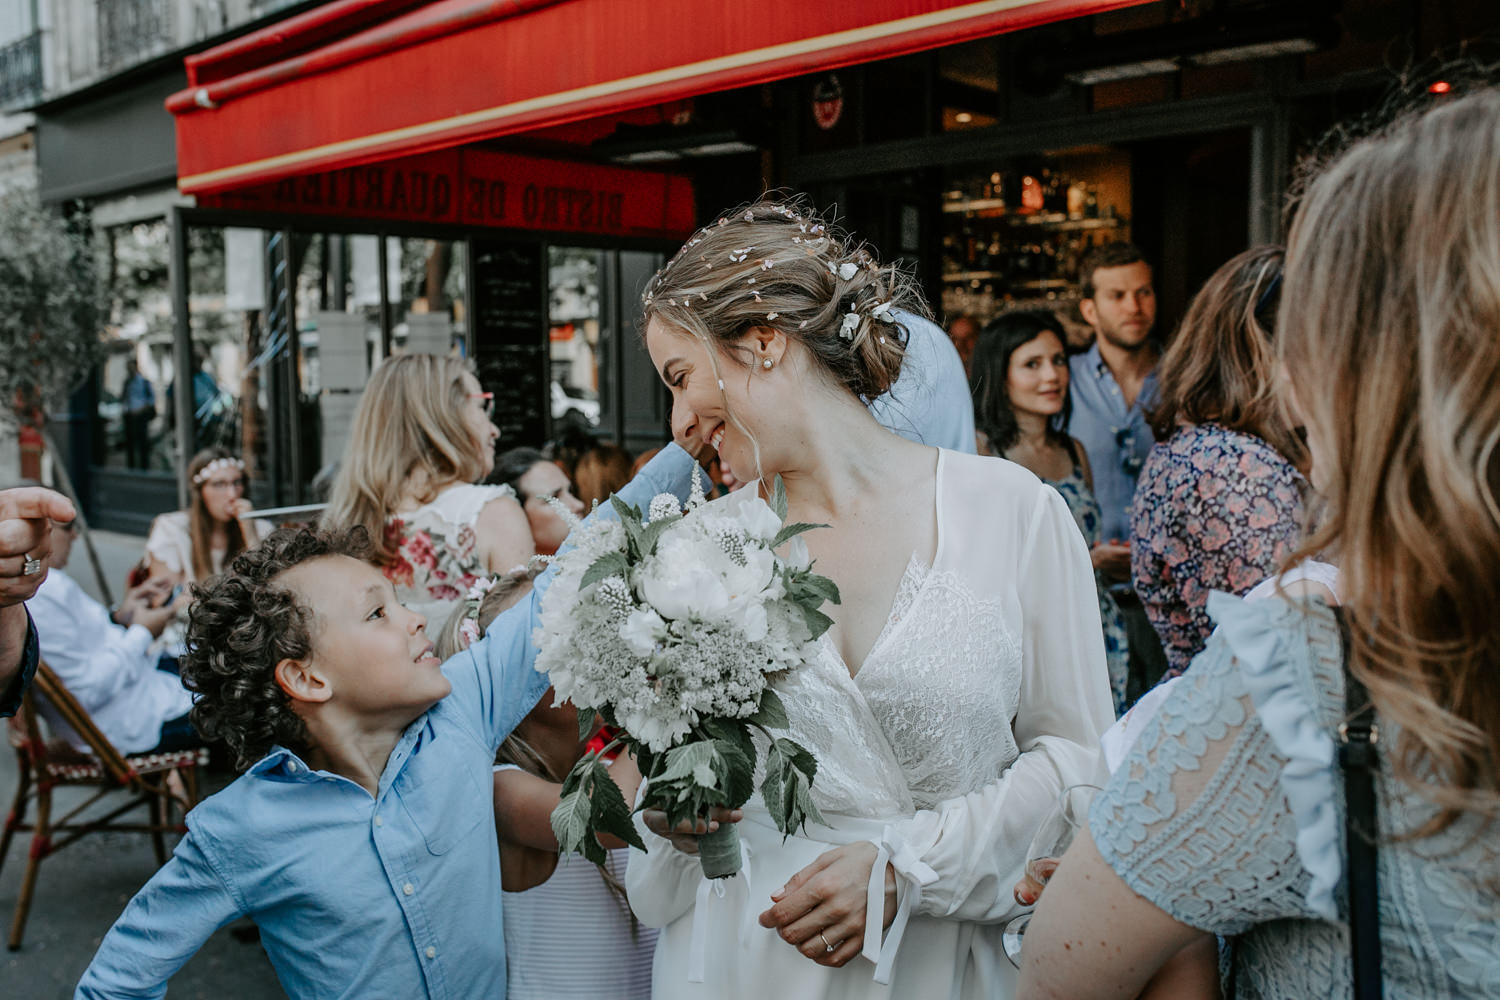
x=357 y=81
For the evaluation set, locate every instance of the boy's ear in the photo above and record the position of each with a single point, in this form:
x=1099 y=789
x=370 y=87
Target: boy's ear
x=302 y=682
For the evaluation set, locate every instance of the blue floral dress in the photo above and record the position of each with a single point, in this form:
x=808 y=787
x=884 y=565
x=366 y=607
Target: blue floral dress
x=1085 y=510
x=1214 y=509
x=1227 y=814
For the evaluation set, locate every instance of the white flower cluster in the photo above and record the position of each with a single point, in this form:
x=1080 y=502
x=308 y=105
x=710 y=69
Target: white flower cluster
x=688 y=630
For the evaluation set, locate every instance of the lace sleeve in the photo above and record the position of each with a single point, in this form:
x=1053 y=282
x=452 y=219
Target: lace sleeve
x=1196 y=819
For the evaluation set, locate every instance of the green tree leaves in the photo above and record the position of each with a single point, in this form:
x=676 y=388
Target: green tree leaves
x=52 y=299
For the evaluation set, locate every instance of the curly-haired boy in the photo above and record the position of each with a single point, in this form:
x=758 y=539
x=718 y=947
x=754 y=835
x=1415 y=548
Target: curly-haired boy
x=360 y=838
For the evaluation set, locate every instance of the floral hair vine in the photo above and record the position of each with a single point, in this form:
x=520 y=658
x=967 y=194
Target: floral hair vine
x=217 y=465
x=469 y=627
x=480 y=589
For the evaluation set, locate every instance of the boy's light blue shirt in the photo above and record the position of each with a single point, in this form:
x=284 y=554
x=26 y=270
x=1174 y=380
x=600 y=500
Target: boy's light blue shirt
x=393 y=896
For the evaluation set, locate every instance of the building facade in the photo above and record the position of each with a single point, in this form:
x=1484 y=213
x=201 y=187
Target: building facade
x=291 y=192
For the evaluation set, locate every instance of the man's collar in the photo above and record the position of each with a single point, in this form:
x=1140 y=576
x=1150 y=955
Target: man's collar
x=1095 y=359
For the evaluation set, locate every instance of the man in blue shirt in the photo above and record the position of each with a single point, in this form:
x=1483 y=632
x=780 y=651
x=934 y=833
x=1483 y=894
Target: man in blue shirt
x=361 y=839
x=1112 y=385
x=930 y=402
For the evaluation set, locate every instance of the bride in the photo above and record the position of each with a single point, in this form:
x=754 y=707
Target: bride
x=961 y=687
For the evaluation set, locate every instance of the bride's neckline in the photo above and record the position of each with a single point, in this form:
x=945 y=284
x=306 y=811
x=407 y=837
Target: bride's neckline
x=907 y=588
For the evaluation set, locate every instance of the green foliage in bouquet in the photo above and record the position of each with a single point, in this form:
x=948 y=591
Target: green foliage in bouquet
x=713 y=764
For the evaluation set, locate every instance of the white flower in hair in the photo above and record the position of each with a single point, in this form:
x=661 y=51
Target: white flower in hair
x=850 y=324
x=883 y=312
x=847 y=270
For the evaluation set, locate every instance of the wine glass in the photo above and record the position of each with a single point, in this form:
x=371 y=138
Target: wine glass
x=1052 y=838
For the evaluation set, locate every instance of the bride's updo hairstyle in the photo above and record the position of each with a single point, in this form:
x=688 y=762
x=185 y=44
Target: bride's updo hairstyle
x=777 y=264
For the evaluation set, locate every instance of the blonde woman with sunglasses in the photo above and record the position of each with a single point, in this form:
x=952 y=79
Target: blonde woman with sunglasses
x=422 y=439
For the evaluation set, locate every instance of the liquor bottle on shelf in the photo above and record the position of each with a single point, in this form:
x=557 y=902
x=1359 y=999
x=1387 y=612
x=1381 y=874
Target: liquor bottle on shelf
x=1032 y=197
x=1054 y=193
x=1077 y=199
x=1091 y=203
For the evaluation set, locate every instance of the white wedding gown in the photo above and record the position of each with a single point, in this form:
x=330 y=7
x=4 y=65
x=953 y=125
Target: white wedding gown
x=985 y=695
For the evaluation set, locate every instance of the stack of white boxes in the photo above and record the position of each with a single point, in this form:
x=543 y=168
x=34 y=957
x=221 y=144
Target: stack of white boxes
x=429 y=333
x=343 y=368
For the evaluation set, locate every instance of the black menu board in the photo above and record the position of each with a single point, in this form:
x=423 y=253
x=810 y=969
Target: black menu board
x=509 y=313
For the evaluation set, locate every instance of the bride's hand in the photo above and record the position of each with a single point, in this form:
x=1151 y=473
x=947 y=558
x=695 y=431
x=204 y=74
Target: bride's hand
x=684 y=836
x=822 y=907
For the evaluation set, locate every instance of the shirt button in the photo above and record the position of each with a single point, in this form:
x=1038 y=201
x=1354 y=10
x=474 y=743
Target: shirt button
x=379 y=821
x=431 y=952
x=408 y=888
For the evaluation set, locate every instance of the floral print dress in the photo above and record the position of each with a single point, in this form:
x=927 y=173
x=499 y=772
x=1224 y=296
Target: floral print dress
x=1214 y=509
x=437 y=550
x=1085 y=509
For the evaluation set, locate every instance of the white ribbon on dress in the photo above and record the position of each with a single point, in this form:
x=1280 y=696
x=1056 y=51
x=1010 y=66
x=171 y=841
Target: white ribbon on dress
x=710 y=889
x=912 y=874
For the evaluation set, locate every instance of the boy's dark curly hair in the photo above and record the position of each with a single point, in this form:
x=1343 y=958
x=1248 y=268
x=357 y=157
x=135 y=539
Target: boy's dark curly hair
x=240 y=626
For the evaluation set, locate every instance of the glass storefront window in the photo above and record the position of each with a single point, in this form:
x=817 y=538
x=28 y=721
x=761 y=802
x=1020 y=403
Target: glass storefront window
x=573 y=333
x=231 y=343
x=428 y=303
x=133 y=418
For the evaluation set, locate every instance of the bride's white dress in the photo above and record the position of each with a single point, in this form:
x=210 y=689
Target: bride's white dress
x=985 y=694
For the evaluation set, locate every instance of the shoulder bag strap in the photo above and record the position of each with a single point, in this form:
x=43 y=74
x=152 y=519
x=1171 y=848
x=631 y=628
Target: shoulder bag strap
x=1357 y=737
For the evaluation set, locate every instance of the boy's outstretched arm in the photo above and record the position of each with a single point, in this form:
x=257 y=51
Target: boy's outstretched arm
x=505 y=656
x=162 y=927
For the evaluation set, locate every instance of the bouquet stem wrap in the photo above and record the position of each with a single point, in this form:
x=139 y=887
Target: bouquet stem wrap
x=719 y=851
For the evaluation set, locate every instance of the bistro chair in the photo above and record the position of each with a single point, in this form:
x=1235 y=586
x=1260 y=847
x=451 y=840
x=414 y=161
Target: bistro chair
x=144 y=779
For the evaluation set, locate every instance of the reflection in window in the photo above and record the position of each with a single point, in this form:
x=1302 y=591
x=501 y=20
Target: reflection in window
x=429 y=301
x=573 y=318
x=133 y=416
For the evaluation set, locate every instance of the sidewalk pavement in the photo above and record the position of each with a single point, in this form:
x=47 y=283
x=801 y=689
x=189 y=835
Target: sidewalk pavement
x=81 y=890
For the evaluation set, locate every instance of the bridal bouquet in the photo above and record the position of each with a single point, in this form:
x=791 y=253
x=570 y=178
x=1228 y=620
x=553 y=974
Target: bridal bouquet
x=671 y=629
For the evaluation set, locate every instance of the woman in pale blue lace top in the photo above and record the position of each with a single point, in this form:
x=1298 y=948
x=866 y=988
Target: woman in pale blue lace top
x=1226 y=817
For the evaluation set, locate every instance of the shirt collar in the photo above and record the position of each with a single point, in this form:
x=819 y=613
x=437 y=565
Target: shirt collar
x=281 y=762
x=1095 y=362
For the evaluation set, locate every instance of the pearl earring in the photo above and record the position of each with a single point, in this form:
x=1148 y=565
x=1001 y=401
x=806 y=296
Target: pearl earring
x=767 y=364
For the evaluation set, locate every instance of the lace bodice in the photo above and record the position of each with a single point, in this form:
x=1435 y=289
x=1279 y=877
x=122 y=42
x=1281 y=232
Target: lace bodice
x=925 y=718
x=983 y=695
x=1227 y=814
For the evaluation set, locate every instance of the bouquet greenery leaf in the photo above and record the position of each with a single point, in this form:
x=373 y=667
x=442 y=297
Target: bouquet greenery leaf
x=671 y=627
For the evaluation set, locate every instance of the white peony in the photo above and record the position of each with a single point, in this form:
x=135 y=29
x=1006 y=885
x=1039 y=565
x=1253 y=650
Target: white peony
x=642 y=631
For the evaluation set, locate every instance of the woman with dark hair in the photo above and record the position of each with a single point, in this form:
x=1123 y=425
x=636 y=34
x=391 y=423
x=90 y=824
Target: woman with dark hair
x=537 y=480
x=1019 y=379
x=1218 y=505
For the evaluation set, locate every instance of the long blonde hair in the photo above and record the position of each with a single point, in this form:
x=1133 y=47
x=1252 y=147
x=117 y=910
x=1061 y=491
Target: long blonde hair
x=408 y=428
x=1390 y=330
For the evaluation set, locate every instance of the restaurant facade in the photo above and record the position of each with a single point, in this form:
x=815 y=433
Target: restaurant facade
x=499 y=180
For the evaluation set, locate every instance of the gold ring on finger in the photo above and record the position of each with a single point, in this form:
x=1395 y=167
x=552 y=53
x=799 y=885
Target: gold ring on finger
x=827 y=948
